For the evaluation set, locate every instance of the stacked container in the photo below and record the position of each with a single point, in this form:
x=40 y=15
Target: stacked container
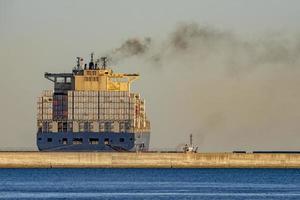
x=102 y=105
x=45 y=111
x=60 y=107
x=44 y=106
x=83 y=105
x=92 y=111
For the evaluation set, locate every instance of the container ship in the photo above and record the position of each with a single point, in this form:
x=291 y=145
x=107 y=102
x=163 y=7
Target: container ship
x=92 y=109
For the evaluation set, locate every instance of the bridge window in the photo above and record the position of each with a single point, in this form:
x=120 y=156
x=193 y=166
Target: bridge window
x=122 y=139
x=49 y=139
x=77 y=141
x=94 y=141
x=123 y=80
x=60 y=79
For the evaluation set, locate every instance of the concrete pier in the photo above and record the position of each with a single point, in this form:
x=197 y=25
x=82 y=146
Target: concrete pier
x=146 y=160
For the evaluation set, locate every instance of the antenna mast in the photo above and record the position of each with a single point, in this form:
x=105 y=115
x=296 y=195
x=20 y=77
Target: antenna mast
x=92 y=57
x=104 y=62
x=78 y=62
x=91 y=65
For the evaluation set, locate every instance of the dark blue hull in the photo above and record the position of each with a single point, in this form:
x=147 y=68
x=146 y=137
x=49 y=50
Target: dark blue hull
x=91 y=141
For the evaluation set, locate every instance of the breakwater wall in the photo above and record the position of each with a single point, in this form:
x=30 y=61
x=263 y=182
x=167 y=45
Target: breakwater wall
x=146 y=160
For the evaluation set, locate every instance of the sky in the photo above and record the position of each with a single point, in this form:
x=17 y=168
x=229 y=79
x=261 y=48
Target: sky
x=234 y=84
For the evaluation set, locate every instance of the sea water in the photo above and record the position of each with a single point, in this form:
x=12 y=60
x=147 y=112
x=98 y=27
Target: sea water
x=233 y=184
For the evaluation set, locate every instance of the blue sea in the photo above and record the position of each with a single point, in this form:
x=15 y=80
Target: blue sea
x=233 y=184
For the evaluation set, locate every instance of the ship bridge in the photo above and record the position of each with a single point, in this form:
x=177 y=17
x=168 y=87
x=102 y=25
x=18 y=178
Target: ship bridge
x=91 y=78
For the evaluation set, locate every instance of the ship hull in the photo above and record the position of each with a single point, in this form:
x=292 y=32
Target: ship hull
x=91 y=141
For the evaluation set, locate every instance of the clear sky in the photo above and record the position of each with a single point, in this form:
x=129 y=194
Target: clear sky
x=39 y=36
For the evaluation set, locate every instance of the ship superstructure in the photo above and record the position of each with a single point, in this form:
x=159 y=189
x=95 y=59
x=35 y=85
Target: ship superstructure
x=92 y=109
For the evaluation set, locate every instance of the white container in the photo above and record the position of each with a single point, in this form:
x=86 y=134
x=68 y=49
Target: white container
x=54 y=127
x=75 y=126
x=95 y=126
x=70 y=93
